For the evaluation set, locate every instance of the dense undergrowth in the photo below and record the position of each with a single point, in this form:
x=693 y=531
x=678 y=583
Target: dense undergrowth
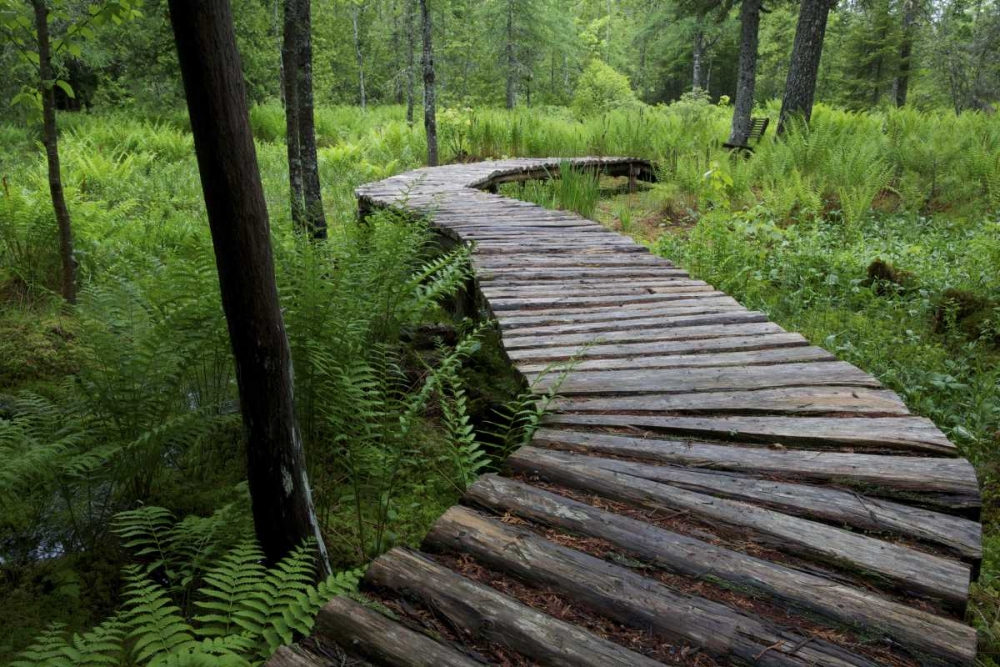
x=129 y=402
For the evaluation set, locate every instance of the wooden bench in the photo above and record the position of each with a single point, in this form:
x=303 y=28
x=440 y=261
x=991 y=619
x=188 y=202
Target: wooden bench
x=758 y=126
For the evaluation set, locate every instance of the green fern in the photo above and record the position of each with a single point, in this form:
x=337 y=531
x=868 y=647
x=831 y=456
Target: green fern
x=246 y=611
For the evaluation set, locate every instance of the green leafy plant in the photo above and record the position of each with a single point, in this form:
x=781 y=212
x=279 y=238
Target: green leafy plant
x=242 y=610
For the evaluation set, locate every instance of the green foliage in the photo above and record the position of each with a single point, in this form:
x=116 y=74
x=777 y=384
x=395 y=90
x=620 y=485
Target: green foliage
x=242 y=611
x=601 y=89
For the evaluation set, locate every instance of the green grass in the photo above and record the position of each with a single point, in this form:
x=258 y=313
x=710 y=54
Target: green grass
x=791 y=231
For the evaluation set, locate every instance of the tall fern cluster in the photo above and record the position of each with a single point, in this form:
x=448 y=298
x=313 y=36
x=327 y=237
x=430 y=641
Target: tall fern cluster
x=190 y=600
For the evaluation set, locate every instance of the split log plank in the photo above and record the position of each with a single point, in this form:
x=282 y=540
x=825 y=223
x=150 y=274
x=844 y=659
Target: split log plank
x=665 y=333
x=362 y=631
x=953 y=479
x=848 y=508
x=688 y=380
x=794 y=400
x=951 y=642
x=629 y=598
x=731 y=316
x=480 y=611
x=908 y=433
x=689 y=346
x=742 y=359
x=922 y=573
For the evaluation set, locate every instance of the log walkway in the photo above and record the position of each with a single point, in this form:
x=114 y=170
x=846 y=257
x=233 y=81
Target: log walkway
x=710 y=489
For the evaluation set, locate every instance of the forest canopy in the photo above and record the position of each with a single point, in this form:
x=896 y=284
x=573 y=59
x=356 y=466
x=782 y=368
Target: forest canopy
x=946 y=47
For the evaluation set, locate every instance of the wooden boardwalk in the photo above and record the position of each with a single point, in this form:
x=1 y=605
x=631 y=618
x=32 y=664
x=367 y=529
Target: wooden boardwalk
x=710 y=489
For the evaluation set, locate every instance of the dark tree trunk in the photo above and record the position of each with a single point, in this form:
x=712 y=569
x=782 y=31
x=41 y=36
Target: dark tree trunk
x=430 y=110
x=303 y=164
x=511 y=59
x=747 y=79
x=410 y=69
x=315 y=217
x=807 y=49
x=359 y=55
x=901 y=84
x=289 y=59
x=237 y=215
x=877 y=67
x=50 y=138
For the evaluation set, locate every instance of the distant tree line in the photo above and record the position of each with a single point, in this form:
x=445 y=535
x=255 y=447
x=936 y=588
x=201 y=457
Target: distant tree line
x=928 y=53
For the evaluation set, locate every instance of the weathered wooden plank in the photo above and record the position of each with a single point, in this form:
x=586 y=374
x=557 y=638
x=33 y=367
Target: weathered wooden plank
x=653 y=347
x=514 y=318
x=555 y=247
x=794 y=400
x=838 y=507
x=898 y=433
x=688 y=380
x=685 y=289
x=922 y=573
x=365 y=632
x=561 y=274
x=950 y=642
x=926 y=478
x=534 y=261
x=632 y=336
x=629 y=598
x=754 y=358
x=480 y=611
x=293 y=656
x=677 y=320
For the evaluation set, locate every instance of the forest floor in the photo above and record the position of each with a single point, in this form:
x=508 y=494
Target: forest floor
x=140 y=369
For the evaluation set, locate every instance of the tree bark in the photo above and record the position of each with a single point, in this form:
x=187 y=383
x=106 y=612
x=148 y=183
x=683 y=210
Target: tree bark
x=746 y=81
x=901 y=84
x=430 y=110
x=698 y=58
x=315 y=218
x=807 y=49
x=300 y=129
x=410 y=70
x=50 y=139
x=289 y=60
x=358 y=54
x=511 y=59
x=237 y=214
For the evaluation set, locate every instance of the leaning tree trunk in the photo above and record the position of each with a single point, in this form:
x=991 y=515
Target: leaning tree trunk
x=511 y=59
x=50 y=138
x=747 y=79
x=315 y=219
x=430 y=111
x=807 y=49
x=901 y=84
x=237 y=215
x=289 y=59
x=359 y=56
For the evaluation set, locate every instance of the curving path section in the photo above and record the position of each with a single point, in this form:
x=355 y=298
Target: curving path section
x=710 y=489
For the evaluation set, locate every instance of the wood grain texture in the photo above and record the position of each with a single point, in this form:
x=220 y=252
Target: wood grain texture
x=936 y=577
x=947 y=640
x=483 y=613
x=627 y=597
x=366 y=632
